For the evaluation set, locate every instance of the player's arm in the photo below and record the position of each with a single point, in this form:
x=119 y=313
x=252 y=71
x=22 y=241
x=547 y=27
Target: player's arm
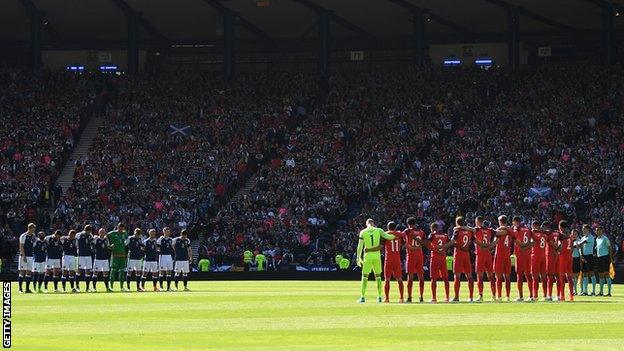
x=466 y=228
x=358 y=253
x=22 y=240
x=190 y=253
x=481 y=244
x=387 y=236
x=502 y=231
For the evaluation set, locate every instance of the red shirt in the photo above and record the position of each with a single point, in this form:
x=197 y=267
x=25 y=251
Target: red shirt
x=437 y=239
x=541 y=241
x=503 y=244
x=567 y=245
x=523 y=235
x=484 y=235
x=410 y=236
x=553 y=238
x=393 y=247
x=462 y=242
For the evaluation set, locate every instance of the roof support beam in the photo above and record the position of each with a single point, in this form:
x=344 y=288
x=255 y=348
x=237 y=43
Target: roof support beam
x=217 y=5
x=530 y=14
x=443 y=21
x=150 y=28
x=601 y=3
x=31 y=8
x=334 y=17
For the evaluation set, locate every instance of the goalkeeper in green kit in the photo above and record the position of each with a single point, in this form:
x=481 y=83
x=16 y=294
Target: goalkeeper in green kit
x=370 y=245
x=117 y=238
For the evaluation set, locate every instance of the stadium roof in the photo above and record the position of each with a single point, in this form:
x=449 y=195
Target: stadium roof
x=103 y=21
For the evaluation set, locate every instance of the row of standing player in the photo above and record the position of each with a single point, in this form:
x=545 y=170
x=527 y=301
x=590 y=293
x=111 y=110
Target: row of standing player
x=541 y=254
x=83 y=256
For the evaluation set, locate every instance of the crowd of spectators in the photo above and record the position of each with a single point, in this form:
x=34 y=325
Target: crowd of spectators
x=41 y=117
x=544 y=143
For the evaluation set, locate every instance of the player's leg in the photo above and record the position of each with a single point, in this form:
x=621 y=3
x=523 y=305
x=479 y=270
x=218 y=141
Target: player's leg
x=377 y=272
x=20 y=277
x=94 y=277
x=120 y=263
x=169 y=278
x=456 y=285
x=56 y=272
x=421 y=285
x=185 y=273
x=177 y=272
x=507 y=269
x=367 y=267
x=480 y=285
x=433 y=275
x=410 y=285
x=46 y=279
x=129 y=275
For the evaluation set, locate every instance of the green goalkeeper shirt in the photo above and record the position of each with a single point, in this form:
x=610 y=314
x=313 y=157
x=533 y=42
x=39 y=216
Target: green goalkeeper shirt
x=118 y=240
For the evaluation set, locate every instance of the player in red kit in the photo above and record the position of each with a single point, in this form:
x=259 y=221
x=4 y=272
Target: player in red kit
x=539 y=241
x=438 y=244
x=392 y=261
x=462 y=240
x=502 y=257
x=484 y=262
x=552 y=258
x=414 y=262
x=522 y=242
x=565 y=260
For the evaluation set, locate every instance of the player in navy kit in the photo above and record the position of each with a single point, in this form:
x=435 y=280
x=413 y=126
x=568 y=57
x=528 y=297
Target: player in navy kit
x=134 y=247
x=70 y=254
x=39 y=254
x=165 y=261
x=25 y=264
x=150 y=264
x=183 y=254
x=102 y=259
x=53 y=260
x=85 y=253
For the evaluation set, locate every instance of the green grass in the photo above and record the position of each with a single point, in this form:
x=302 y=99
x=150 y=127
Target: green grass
x=280 y=315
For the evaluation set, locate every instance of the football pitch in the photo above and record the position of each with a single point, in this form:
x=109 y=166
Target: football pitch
x=306 y=315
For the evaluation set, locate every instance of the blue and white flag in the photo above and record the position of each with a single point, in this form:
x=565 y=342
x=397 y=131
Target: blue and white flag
x=180 y=130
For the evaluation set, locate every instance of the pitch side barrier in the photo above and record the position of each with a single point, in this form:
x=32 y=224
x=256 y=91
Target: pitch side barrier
x=283 y=275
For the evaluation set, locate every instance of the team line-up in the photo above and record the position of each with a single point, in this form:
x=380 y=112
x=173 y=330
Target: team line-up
x=87 y=256
x=542 y=254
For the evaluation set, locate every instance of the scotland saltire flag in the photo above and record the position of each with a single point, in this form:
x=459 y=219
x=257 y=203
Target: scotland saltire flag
x=179 y=130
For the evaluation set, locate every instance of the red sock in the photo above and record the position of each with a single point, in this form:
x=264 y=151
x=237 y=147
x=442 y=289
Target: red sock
x=480 y=284
x=471 y=287
x=410 y=284
x=446 y=288
x=571 y=286
x=401 y=289
x=421 y=285
x=492 y=284
x=456 y=287
x=519 y=283
x=544 y=290
x=507 y=286
x=387 y=288
x=434 y=289
x=550 y=285
x=530 y=285
x=499 y=287
x=560 y=286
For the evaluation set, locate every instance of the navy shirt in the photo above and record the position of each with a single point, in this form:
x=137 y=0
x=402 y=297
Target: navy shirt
x=54 y=247
x=134 y=246
x=181 y=246
x=151 y=250
x=102 y=252
x=39 y=250
x=164 y=243
x=69 y=246
x=27 y=240
x=85 y=240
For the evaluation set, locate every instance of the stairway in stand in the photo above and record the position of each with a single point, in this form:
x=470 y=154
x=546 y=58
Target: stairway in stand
x=86 y=139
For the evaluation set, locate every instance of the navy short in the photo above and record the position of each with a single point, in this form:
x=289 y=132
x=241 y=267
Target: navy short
x=576 y=264
x=588 y=265
x=602 y=264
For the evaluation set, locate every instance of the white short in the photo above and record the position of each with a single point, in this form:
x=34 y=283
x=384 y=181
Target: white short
x=134 y=265
x=25 y=266
x=101 y=266
x=52 y=263
x=39 y=267
x=182 y=266
x=69 y=263
x=84 y=262
x=166 y=263
x=150 y=267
